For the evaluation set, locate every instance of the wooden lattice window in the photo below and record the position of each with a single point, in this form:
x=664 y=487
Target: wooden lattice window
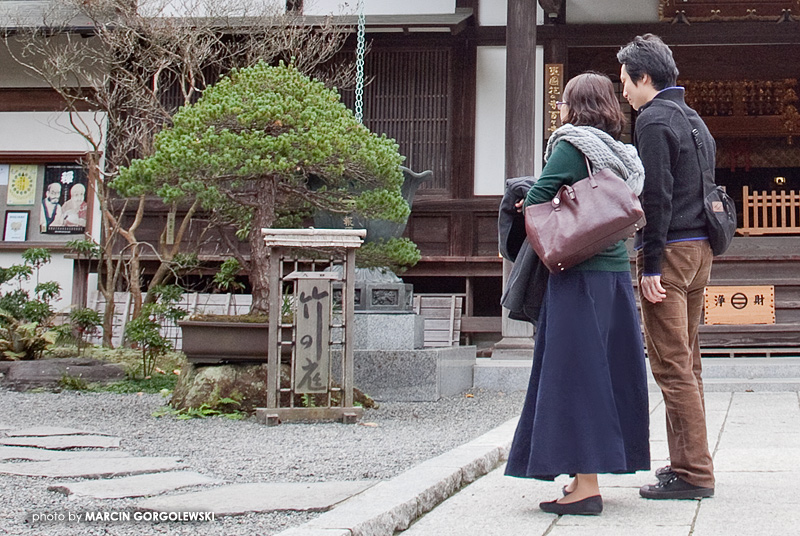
x=408 y=98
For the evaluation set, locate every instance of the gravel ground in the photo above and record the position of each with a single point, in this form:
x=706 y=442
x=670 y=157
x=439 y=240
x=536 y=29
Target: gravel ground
x=388 y=441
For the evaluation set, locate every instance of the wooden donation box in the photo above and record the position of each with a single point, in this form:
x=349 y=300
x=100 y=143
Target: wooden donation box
x=740 y=305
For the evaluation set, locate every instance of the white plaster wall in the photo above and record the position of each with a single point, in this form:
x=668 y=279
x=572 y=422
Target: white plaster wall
x=379 y=7
x=15 y=75
x=48 y=131
x=210 y=8
x=51 y=132
x=600 y=11
x=43 y=132
x=59 y=270
x=490 y=119
x=495 y=13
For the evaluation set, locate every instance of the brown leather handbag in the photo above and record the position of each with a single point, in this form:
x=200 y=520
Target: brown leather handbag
x=583 y=219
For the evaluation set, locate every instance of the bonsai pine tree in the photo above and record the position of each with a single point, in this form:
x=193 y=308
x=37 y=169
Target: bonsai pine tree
x=263 y=142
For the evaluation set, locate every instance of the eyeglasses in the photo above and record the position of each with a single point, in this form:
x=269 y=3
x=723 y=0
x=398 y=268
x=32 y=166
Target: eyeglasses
x=559 y=104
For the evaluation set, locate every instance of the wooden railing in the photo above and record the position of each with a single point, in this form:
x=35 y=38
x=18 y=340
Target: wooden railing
x=770 y=212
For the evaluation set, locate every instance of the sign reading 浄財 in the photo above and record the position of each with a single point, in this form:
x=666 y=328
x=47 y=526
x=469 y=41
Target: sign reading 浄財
x=740 y=305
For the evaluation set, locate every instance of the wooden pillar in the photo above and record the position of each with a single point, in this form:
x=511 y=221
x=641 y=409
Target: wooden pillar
x=520 y=87
x=517 y=341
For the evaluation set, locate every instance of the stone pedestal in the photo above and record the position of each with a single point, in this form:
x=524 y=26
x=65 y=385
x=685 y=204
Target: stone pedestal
x=388 y=331
x=517 y=341
x=414 y=375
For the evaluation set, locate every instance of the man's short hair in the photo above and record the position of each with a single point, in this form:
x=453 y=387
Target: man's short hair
x=647 y=54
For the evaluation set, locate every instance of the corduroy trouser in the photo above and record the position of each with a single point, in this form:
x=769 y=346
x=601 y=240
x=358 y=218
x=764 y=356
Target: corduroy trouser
x=673 y=348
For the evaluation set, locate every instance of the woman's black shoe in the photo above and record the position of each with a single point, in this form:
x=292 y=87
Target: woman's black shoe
x=590 y=506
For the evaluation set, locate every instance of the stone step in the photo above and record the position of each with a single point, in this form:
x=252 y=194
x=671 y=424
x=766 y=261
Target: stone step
x=91 y=467
x=63 y=442
x=237 y=499
x=44 y=431
x=134 y=486
x=34 y=454
x=719 y=374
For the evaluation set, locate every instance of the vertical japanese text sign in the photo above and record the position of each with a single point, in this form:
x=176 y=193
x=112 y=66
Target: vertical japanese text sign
x=554 y=81
x=312 y=354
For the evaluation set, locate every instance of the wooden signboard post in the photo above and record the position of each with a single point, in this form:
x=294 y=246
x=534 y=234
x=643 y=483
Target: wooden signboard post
x=740 y=305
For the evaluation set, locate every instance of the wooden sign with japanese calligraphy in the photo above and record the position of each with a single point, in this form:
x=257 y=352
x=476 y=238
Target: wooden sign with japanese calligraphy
x=554 y=86
x=312 y=354
x=740 y=305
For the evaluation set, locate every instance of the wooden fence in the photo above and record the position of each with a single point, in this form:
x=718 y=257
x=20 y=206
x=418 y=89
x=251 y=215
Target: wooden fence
x=770 y=212
x=194 y=303
x=442 y=313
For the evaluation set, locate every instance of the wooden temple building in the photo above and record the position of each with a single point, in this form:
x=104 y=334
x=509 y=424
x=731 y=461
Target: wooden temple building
x=468 y=89
x=442 y=97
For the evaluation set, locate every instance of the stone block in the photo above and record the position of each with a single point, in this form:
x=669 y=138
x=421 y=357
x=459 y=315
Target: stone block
x=22 y=375
x=414 y=375
x=388 y=331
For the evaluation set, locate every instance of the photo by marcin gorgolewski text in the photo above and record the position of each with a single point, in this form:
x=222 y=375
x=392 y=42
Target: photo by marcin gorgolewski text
x=118 y=516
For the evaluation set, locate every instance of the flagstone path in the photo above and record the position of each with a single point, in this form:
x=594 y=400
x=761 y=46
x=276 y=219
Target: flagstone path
x=108 y=472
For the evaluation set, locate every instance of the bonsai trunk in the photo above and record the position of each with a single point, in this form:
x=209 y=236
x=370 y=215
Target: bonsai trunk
x=263 y=218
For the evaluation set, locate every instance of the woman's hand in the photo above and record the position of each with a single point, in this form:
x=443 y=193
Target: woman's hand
x=519 y=204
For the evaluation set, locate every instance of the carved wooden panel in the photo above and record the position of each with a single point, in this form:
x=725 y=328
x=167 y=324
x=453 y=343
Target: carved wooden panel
x=486 y=235
x=431 y=234
x=724 y=10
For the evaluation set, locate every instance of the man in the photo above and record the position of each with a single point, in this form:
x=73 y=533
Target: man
x=674 y=258
x=50 y=215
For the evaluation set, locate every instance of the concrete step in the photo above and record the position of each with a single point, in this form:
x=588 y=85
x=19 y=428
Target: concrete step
x=719 y=374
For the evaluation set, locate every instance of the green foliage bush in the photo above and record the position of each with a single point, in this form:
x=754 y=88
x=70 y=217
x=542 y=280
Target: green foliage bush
x=25 y=319
x=145 y=329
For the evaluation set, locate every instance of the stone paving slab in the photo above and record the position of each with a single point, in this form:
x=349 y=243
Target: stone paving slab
x=92 y=467
x=756 y=503
x=34 y=454
x=37 y=431
x=64 y=442
x=394 y=504
x=135 y=486
x=510 y=503
x=237 y=499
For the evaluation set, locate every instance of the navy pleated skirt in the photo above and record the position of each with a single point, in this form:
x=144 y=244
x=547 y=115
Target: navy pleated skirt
x=586 y=409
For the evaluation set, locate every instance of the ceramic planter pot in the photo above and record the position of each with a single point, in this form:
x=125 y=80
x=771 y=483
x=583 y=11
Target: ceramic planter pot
x=212 y=342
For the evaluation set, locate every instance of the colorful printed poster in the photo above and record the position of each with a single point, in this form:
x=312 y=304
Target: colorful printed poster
x=22 y=184
x=64 y=209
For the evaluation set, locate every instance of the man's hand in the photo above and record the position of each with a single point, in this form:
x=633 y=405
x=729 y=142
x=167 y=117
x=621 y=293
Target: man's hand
x=652 y=289
x=519 y=204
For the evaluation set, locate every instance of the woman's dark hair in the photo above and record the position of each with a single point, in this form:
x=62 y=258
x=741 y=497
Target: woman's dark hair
x=647 y=54
x=592 y=102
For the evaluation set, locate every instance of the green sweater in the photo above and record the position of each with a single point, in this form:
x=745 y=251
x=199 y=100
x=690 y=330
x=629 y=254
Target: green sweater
x=567 y=166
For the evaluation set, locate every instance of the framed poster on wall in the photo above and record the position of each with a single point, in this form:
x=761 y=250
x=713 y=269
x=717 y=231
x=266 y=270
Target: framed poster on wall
x=22 y=184
x=63 y=207
x=16 y=227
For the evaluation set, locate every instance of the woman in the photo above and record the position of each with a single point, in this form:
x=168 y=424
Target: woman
x=586 y=409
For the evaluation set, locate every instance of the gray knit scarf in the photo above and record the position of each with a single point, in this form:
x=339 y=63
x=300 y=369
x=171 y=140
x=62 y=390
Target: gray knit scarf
x=603 y=151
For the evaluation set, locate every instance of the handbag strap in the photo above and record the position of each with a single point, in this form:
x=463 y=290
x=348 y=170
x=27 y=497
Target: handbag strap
x=591 y=175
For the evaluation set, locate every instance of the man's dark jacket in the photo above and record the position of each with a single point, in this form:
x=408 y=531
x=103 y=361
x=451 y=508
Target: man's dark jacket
x=672 y=198
x=527 y=281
